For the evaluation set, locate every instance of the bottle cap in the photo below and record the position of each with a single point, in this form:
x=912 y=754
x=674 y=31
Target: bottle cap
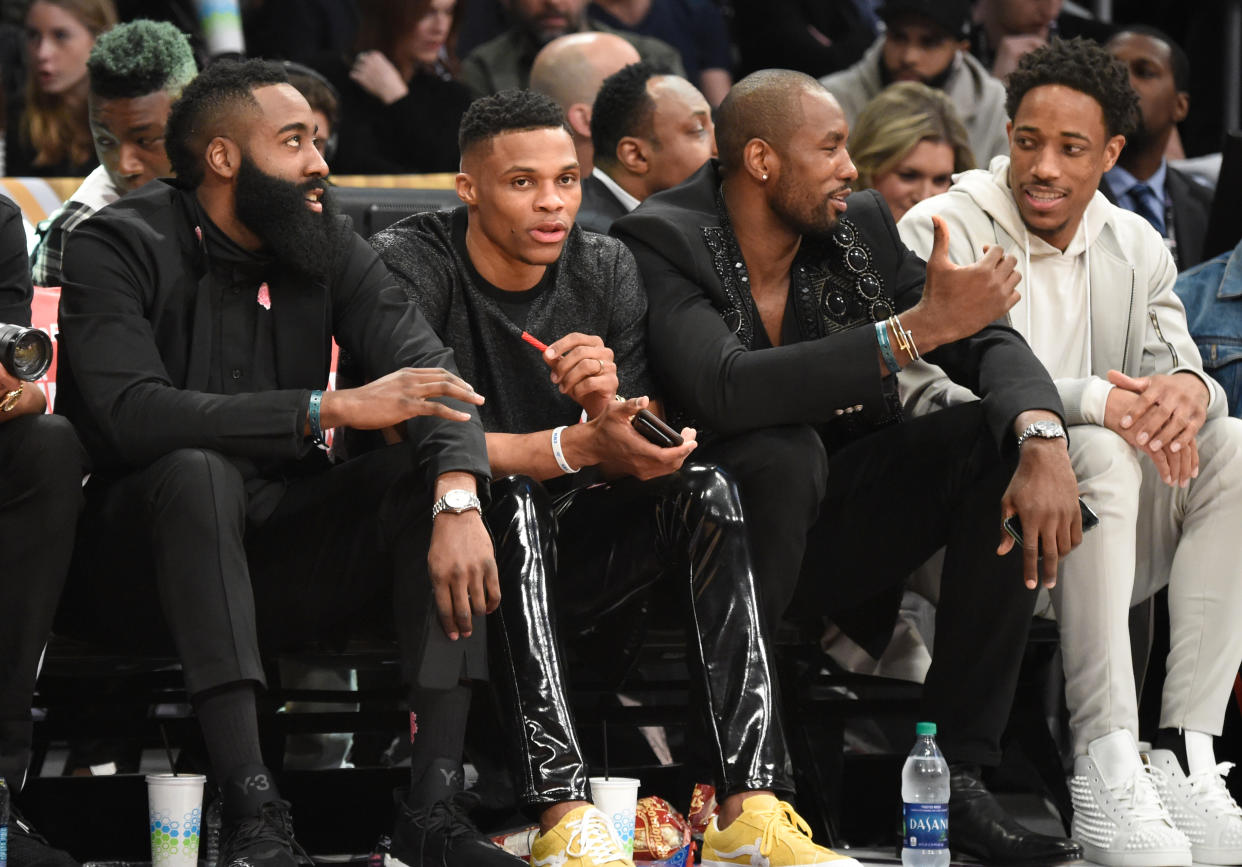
x=925 y=728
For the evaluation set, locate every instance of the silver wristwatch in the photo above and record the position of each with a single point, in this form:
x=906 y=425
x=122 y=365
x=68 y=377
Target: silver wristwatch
x=456 y=501
x=1047 y=430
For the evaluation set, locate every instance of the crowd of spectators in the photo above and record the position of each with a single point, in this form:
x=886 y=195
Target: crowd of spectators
x=949 y=248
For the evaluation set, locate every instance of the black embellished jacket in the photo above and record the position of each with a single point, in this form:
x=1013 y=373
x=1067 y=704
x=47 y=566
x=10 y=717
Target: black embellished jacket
x=712 y=360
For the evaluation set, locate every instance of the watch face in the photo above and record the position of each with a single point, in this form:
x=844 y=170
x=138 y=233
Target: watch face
x=1047 y=429
x=457 y=499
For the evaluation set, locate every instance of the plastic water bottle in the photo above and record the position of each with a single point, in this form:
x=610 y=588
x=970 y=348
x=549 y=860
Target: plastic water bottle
x=925 y=798
x=4 y=823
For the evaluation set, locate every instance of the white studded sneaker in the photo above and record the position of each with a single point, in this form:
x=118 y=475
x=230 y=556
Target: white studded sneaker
x=1119 y=818
x=1201 y=807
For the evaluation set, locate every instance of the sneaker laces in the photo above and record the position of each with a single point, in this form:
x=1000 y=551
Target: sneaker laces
x=781 y=819
x=1209 y=788
x=272 y=824
x=449 y=818
x=592 y=834
x=1142 y=797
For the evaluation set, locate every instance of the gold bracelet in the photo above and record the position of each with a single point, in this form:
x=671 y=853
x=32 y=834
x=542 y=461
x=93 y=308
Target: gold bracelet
x=11 y=399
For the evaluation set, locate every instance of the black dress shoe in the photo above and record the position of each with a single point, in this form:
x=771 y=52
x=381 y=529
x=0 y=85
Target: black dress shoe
x=980 y=827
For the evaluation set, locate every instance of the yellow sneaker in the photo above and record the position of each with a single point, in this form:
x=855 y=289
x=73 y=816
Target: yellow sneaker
x=582 y=838
x=769 y=833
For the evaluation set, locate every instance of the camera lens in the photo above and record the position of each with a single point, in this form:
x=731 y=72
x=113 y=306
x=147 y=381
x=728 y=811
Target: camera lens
x=25 y=352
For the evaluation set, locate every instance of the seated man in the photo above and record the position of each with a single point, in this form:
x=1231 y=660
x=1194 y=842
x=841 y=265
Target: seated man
x=652 y=131
x=1211 y=291
x=779 y=325
x=570 y=69
x=1142 y=181
x=197 y=322
x=137 y=70
x=1155 y=456
x=925 y=40
x=505 y=62
x=41 y=469
x=511 y=261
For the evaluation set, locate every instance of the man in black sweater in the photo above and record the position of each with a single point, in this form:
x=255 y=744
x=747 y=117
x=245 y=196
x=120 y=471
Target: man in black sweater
x=511 y=263
x=196 y=326
x=776 y=319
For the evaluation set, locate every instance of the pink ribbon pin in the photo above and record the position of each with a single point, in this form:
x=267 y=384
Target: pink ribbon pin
x=265 y=297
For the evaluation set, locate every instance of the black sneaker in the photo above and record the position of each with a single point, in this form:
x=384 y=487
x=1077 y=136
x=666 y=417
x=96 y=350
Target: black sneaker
x=262 y=840
x=442 y=835
x=29 y=848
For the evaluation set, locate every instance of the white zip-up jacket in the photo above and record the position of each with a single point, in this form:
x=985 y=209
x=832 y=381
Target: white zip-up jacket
x=1138 y=325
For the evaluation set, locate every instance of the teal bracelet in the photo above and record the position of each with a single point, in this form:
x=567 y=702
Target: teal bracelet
x=312 y=417
x=886 y=348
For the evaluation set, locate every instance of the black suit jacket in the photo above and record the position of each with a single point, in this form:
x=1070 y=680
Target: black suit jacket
x=137 y=330
x=701 y=365
x=599 y=206
x=1192 y=207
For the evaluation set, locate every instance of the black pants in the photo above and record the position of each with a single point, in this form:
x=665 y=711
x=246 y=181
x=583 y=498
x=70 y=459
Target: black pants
x=842 y=543
x=585 y=555
x=41 y=468
x=166 y=556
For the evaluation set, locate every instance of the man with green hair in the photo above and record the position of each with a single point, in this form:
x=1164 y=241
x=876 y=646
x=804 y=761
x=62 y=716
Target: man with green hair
x=137 y=70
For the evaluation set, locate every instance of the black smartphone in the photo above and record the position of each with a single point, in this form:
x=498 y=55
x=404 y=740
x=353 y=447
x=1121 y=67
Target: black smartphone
x=656 y=431
x=1089 y=519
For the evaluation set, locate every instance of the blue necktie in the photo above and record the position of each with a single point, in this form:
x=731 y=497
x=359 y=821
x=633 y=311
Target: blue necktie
x=1147 y=206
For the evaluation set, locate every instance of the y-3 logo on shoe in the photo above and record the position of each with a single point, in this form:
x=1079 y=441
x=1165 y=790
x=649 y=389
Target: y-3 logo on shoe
x=450 y=776
x=259 y=782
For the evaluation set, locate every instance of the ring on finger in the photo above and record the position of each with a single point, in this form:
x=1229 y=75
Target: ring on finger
x=601 y=367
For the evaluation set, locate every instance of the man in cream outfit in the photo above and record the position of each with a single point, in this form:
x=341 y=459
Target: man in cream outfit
x=1154 y=451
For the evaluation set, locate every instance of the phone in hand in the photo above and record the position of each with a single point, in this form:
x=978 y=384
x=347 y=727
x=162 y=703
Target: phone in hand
x=1013 y=526
x=654 y=430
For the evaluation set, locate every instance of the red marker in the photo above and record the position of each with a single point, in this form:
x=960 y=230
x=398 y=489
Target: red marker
x=535 y=342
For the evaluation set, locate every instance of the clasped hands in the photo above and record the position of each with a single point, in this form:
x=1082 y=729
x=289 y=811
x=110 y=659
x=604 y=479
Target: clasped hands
x=1160 y=415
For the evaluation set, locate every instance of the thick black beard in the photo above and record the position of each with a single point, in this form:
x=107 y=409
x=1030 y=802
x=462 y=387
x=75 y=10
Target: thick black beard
x=275 y=210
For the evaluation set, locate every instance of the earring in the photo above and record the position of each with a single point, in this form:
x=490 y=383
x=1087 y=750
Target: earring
x=765 y=176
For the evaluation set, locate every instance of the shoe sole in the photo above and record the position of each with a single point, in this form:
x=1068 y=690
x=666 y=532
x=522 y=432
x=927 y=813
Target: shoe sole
x=1156 y=858
x=1227 y=855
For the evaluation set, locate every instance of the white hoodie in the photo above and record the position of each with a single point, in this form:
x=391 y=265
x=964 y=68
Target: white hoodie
x=1084 y=311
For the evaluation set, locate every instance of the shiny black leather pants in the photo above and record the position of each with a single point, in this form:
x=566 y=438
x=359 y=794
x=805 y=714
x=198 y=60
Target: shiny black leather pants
x=587 y=553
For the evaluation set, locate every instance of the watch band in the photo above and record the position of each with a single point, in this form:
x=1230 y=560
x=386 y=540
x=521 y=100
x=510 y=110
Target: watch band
x=1045 y=430
x=441 y=505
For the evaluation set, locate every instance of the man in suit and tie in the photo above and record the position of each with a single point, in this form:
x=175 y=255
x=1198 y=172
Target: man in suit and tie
x=1143 y=181
x=651 y=132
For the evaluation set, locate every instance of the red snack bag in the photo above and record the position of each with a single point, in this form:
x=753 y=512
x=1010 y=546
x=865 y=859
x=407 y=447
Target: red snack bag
x=659 y=830
x=702 y=807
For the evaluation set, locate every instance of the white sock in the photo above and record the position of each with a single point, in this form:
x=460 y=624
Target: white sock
x=1200 y=755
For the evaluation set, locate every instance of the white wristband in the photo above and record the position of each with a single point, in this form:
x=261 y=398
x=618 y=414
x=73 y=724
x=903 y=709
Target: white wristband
x=558 y=453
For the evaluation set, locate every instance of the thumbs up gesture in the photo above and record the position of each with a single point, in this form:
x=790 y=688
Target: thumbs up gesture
x=959 y=300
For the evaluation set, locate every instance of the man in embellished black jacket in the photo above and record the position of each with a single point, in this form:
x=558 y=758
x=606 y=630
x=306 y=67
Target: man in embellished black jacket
x=780 y=315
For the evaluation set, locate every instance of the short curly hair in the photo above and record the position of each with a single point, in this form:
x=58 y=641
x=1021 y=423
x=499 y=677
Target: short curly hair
x=141 y=57
x=206 y=107
x=623 y=107
x=506 y=111
x=1081 y=65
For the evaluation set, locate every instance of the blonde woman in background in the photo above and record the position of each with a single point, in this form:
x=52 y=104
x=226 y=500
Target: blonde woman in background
x=50 y=134
x=907 y=144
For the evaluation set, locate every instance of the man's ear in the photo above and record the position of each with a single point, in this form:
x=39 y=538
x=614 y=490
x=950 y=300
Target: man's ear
x=223 y=157
x=1182 y=107
x=466 y=190
x=632 y=154
x=760 y=160
x=1112 y=150
x=579 y=117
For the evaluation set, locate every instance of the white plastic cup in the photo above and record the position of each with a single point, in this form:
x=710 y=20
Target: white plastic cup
x=617 y=798
x=175 y=810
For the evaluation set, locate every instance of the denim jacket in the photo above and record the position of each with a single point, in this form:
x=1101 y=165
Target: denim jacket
x=1212 y=293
